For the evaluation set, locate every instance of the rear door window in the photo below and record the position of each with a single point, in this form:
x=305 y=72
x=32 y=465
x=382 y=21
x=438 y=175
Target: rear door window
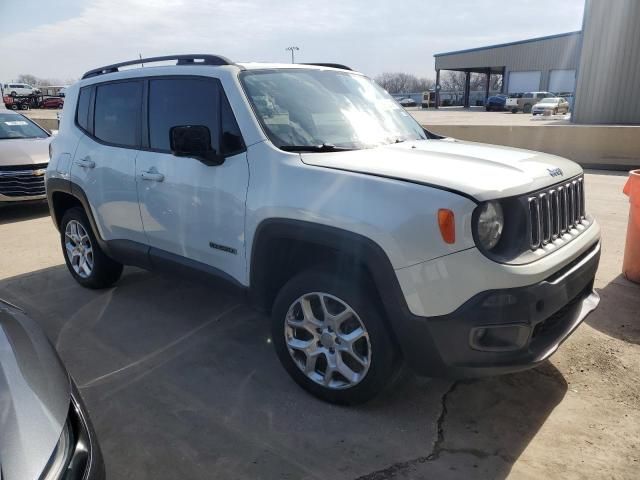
x=117 y=113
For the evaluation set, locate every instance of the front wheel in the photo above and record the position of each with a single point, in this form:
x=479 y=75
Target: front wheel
x=331 y=338
x=86 y=261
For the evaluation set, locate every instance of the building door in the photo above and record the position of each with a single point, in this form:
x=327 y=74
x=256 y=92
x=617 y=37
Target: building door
x=521 y=82
x=562 y=81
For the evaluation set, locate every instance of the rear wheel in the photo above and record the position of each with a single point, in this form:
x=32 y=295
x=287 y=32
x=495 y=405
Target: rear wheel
x=331 y=338
x=86 y=261
x=526 y=108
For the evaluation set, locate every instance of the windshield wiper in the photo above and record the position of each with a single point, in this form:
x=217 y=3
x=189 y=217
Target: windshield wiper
x=325 y=147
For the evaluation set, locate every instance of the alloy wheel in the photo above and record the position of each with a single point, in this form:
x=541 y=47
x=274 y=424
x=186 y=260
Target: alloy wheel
x=327 y=340
x=79 y=249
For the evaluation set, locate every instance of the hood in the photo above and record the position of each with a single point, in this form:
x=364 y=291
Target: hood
x=24 y=151
x=481 y=171
x=34 y=396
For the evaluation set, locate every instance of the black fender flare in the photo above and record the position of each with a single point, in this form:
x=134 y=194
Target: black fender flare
x=61 y=185
x=129 y=253
x=403 y=325
x=357 y=246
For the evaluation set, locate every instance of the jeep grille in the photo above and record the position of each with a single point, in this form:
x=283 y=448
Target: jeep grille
x=555 y=212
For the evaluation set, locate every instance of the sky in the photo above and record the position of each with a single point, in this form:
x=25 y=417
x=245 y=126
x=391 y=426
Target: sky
x=64 y=38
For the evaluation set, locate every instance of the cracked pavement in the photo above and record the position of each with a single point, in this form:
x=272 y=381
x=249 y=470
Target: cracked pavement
x=181 y=382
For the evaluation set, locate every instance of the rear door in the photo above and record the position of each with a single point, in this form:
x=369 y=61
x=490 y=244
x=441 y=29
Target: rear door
x=191 y=210
x=104 y=162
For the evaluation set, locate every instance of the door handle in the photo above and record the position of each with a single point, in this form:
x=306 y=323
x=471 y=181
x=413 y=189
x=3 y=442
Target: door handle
x=86 y=162
x=152 y=176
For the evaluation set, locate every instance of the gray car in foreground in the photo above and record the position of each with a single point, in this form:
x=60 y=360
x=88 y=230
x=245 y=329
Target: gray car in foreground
x=45 y=433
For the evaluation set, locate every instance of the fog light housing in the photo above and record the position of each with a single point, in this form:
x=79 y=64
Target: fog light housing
x=499 y=338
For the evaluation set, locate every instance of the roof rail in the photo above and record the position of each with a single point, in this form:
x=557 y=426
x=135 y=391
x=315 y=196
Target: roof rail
x=330 y=65
x=191 y=59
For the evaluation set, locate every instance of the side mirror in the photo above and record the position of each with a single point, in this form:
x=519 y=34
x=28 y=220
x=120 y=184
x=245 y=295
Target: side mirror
x=194 y=141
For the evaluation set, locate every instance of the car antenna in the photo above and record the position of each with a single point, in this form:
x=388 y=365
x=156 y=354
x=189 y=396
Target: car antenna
x=141 y=62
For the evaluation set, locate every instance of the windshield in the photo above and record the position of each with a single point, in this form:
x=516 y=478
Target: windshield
x=17 y=126
x=313 y=108
x=549 y=100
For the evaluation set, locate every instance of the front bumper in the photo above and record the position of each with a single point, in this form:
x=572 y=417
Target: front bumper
x=26 y=198
x=539 y=318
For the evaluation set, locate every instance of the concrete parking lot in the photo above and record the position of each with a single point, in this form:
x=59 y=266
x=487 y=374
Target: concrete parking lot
x=181 y=381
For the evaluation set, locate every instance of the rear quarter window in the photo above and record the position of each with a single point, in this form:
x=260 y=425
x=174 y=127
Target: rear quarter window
x=82 y=113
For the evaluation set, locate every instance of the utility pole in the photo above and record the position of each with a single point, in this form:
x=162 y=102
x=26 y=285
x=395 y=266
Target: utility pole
x=292 y=49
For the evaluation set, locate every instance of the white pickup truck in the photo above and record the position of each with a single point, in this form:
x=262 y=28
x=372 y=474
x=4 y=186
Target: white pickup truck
x=525 y=102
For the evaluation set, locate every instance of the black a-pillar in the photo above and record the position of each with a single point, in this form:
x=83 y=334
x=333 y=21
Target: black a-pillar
x=486 y=90
x=437 y=101
x=467 y=87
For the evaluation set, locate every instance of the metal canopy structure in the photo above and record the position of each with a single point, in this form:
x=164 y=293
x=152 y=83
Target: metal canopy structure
x=543 y=54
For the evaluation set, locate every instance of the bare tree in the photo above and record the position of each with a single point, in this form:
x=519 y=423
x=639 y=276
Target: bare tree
x=27 y=78
x=397 y=82
x=496 y=83
x=39 y=82
x=452 y=81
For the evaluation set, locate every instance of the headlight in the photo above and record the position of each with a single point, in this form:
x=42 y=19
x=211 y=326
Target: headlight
x=490 y=224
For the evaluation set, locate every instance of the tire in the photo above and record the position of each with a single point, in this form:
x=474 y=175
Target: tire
x=514 y=110
x=338 y=293
x=100 y=271
x=555 y=111
x=14 y=94
x=526 y=108
x=14 y=106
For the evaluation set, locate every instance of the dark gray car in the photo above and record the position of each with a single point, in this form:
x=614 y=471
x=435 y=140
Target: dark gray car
x=45 y=433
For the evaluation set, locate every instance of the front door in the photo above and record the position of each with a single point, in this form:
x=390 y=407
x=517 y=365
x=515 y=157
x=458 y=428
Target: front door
x=189 y=209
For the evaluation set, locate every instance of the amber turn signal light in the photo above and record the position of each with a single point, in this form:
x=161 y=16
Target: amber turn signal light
x=447 y=224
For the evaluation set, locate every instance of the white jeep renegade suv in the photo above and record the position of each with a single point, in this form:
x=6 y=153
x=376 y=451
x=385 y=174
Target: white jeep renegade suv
x=369 y=240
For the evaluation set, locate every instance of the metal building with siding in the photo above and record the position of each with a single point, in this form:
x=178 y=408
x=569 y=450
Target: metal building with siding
x=545 y=63
x=608 y=88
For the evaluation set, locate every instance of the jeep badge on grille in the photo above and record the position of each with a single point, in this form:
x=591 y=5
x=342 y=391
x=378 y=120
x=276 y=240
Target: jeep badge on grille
x=555 y=172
